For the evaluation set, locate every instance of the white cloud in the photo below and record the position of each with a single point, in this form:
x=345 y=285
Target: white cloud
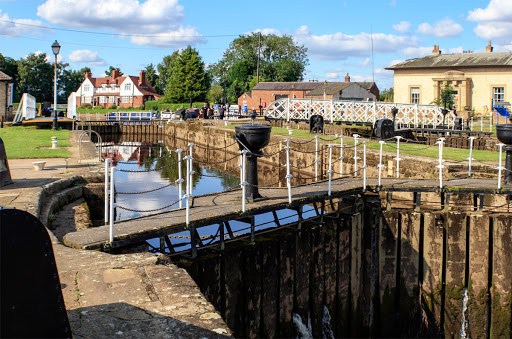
x=392 y=3
x=339 y=46
x=159 y=20
x=415 y=52
x=265 y=31
x=395 y=62
x=441 y=29
x=17 y=27
x=366 y=62
x=494 y=21
x=87 y=56
x=331 y=75
x=455 y=50
x=402 y=27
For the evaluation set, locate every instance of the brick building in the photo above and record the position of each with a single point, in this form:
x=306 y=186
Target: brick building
x=266 y=92
x=6 y=92
x=128 y=91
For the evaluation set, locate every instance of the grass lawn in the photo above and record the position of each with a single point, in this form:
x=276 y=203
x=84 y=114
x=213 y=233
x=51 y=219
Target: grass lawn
x=456 y=154
x=27 y=142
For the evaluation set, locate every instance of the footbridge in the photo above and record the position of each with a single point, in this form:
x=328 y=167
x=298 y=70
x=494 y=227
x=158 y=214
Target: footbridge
x=335 y=111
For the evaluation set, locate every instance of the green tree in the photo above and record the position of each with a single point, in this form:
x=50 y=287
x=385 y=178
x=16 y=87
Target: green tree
x=188 y=80
x=70 y=81
x=446 y=96
x=10 y=67
x=108 y=72
x=36 y=76
x=387 y=95
x=165 y=70
x=281 y=59
x=215 y=94
x=152 y=77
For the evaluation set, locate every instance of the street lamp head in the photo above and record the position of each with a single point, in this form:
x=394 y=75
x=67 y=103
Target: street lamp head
x=56 y=47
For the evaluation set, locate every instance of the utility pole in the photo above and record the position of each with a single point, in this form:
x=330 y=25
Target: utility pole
x=258 y=64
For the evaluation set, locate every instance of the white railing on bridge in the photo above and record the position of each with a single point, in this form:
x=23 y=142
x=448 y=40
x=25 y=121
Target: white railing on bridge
x=132 y=116
x=358 y=111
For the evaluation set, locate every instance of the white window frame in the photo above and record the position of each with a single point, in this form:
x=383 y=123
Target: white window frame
x=10 y=90
x=128 y=87
x=87 y=88
x=103 y=99
x=498 y=94
x=414 y=95
x=112 y=99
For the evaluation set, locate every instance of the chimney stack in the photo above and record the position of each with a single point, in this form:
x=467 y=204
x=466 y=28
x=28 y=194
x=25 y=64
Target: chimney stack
x=142 y=78
x=436 y=50
x=489 y=48
x=115 y=73
x=347 y=78
x=88 y=75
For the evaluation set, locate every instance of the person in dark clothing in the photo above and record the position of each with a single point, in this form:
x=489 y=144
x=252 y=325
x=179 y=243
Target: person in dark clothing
x=221 y=112
x=210 y=112
x=204 y=110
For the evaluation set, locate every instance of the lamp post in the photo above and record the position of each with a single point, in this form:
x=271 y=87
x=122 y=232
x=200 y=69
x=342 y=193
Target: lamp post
x=56 y=50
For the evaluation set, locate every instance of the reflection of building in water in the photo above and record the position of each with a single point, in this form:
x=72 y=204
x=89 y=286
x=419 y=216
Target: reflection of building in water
x=129 y=151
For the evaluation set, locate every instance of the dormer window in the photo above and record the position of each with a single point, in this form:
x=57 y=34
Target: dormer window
x=127 y=87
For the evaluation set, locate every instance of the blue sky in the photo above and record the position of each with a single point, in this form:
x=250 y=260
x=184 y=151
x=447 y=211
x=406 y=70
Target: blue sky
x=130 y=34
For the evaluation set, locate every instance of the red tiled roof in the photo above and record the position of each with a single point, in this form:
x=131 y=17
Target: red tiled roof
x=145 y=88
x=4 y=76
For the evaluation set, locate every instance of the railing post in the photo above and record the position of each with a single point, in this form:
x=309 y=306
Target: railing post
x=471 y=128
x=364 y=166
x=500 y=168
x=187 y=179
x=244 y=182
x=470 y=159
x=288 y=110
x=398 y=155
x=356 y=136
x=330 y=168
x=481 y=123
x=341 y=155
x=441 y=166
x=316 y=158
x=112 y=204
x=381 y=142
x=190 y=159
x=187 y=213
x=288 y=174
x=107 y=162
x=180 y=177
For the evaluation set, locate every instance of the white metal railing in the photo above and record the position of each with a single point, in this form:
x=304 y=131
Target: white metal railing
x=358 y=111
x=131 y=116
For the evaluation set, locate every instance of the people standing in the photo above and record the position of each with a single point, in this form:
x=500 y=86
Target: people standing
x=204 y=110
x=221 y=112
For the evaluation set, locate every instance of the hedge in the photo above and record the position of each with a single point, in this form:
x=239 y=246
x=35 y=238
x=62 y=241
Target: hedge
x=160 y=106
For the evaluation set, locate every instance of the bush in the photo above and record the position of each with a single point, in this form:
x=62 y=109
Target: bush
x=162 y=106
x=85 y=106
x=113 y=106
x=98 y=107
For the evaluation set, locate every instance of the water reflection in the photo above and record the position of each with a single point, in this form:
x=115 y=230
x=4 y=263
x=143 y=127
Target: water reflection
x=155 y=166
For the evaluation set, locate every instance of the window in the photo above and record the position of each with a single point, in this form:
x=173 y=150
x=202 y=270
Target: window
x=127 y=99
x=87 y=88
x=112 y=99
x=127 y=87
x=103 y=100
x=9 y=94
x=415 y=95
x=87 y=100
x=498 y=94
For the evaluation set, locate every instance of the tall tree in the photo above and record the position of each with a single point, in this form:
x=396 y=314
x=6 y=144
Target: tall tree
x=165 y=70
x=70 y=81
x=188 y=80
x=108 y=72
x=10 y=67
x=152 y=77
x=281 y=59
x=36 y=77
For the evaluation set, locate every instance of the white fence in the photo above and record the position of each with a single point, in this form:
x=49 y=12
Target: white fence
x=71 y=107
x=26 y=109
x=358 y=111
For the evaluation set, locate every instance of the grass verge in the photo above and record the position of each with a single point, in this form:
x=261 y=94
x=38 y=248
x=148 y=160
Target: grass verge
x=29 y=142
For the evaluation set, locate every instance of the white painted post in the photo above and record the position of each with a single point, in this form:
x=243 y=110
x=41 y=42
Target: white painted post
x=398 y=155
x=287 y=110
x=416 y=115
x=499 y=168
x=380 y=165
x=330 y=168
x=107 y=162
x=470 y=159
x=244 y=182
x=374 y=113
x=187 y=180
x=341 y=155
x=316 y=158
x=288 y=174
x=356 y=136
x=332 y=112
x=112 y=205
x=190 y=159
x=180 y=178
x=440 y=166
x=471 y=123
x=481 y=123
x=187 y=213
x=364 y=166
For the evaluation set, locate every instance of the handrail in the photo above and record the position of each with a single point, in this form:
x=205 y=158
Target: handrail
x=100 y=141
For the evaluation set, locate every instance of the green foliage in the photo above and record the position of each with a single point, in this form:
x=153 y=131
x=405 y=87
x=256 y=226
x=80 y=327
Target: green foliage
x=152 y=77
x=85 y=106
x=387 y=95
x=10 y=67
x=35 y=76
x=113 y=106
x=95 y=107
x=281 y=59
x=25 y=142
x=162 y=106
x=164 y=71
x=446 y=97
x=215 y=94
x=70 y=81
x=108 y=72
x=189 y=80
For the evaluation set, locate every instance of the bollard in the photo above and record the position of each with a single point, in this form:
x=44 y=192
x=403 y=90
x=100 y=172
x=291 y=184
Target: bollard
x=470 y=154
x=341 y=155
x=180 y=178
x=364 y=166
x=288 y=174
x=54 y=142
x=356 y=136
x=440 y=166
x=316 y=158
x=380 y=165
x=107 y=162
x=112 y=205
x=244 y=182
x=330 y=168
x=500 y=168
x=398 y=155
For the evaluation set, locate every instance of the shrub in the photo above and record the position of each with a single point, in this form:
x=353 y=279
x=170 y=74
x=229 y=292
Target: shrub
x=98 y=107
x=113 y=106
x=85 y=106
